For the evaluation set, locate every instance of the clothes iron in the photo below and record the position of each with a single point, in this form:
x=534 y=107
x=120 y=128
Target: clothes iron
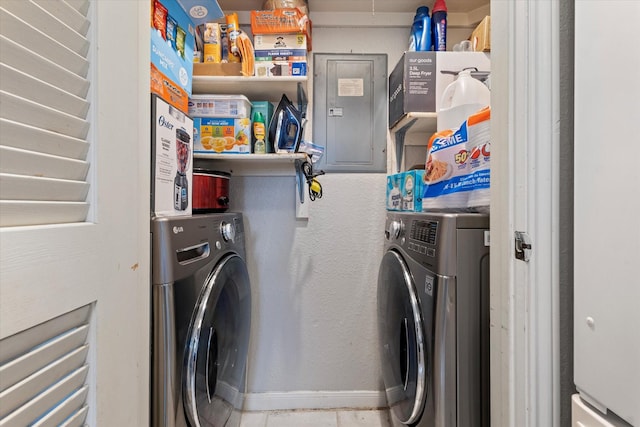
x=285 y=129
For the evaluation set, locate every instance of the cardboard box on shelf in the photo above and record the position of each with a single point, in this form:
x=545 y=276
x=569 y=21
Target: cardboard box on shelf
x=266 y=108
x=234 y=106
x=481 y=36
x=280 y=68
x=217 y=69
x=281 y=21
x=404 y=191
x=418 y=80
x=279 y=41
x=172 y=47
x=222 y=135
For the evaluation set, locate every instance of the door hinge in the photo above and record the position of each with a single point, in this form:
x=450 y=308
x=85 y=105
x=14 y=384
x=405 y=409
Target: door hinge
x=523 y=246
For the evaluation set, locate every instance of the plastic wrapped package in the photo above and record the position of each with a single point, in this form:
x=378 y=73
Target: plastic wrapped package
x=457 y=172
x=303 y=5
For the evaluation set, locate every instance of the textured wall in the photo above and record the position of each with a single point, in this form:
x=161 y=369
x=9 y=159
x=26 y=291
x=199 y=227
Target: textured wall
x=314 y=281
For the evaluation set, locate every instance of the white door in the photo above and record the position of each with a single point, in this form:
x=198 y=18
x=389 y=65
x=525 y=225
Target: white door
x=103 y=262
x=524 y=197
x=606 y=226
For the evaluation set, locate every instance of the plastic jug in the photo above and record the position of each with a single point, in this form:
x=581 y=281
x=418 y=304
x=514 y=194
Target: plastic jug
x=420 y=38
x=465 y=96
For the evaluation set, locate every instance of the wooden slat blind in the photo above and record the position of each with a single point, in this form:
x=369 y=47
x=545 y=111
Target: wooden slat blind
x=43 y=373
x=44 y=111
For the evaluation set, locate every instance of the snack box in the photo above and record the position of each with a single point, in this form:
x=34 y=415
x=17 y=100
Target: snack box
x=172 y=46
x=280 y=41
x=404 y=191
x=234 y=106
x=222 y=135
x=280 y=68
x=419 y=79
x=281 y=21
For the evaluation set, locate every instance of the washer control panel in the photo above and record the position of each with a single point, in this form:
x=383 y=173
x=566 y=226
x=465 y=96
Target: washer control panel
x=228 y=231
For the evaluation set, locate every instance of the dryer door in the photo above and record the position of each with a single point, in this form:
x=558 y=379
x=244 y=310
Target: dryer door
x=402 y=339
x=216 y=349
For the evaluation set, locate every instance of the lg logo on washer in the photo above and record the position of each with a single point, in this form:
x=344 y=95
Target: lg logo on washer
x=177 y=230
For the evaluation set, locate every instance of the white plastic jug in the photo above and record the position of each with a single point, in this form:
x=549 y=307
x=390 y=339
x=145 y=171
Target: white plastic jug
x=465 y=96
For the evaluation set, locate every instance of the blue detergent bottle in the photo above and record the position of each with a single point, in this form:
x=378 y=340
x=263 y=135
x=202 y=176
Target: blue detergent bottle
x=439 y=23
x=420 y=30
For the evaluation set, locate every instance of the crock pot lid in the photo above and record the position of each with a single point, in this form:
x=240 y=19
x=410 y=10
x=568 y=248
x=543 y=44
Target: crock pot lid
x=202 y=171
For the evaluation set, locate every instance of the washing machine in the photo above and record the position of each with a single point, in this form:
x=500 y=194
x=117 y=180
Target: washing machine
x=201 y=318
x=433 y=319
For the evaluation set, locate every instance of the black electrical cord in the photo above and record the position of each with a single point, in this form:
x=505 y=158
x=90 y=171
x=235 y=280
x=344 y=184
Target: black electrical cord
x=315 y=189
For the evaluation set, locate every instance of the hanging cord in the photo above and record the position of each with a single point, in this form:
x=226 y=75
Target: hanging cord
x=315 y=189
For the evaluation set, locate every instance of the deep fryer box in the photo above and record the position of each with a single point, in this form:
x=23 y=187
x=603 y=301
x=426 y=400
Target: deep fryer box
x=419 y=79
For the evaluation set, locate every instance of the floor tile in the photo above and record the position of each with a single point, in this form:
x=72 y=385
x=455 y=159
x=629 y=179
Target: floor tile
x=302 y=419
x=253 y=419
x=363 y=419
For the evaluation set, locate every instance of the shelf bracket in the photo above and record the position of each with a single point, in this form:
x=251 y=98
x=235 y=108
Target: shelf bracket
x=300 y=179
x=400 y=133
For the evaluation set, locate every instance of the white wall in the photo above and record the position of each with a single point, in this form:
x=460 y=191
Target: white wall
x=314 y=331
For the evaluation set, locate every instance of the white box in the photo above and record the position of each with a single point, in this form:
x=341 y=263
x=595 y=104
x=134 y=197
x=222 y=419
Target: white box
x=172 y=137
x=419 y=79
x=235 y=106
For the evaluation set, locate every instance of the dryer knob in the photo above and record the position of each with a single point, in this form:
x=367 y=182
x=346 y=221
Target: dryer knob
x=394 y=230
x=228 y=231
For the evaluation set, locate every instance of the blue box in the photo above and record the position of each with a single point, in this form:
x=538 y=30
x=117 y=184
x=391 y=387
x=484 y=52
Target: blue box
x=404 y=191
x=172 y=44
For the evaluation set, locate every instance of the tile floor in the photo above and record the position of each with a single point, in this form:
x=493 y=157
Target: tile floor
x=316 y=418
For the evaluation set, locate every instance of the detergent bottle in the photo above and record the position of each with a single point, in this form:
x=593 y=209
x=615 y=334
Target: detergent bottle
x=420 y=38
x=439 y=24
x=462 y=98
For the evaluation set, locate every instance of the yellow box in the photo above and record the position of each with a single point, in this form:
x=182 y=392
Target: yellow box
x=481 y=36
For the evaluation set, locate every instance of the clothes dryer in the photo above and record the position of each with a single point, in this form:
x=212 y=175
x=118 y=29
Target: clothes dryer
x=201 y=316
x=433 y=319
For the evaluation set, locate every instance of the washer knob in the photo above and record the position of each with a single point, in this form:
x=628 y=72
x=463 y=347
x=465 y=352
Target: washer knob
x=228 y=231
x=394 y=230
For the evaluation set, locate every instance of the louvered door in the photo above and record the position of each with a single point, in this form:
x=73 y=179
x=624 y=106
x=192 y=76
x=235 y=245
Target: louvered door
x=74 y=212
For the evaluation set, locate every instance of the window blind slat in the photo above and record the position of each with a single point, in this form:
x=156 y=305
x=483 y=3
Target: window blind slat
x=35 y=90
x=38 y=382
x=19 y=187
x=48 y=24
x=82 y=6
x=21 y=367
x=21 y=162
x=29 y=138
x=31 y=113
x=44 y=86
x=19 y=213
x=64 y=410
x=66 y=13
x=77 y=419
x=21 y=58
x=24 y=34
x=23 y=342
x=33 y=410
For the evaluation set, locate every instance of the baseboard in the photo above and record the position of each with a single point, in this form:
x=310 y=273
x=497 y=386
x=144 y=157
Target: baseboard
x=276 y=401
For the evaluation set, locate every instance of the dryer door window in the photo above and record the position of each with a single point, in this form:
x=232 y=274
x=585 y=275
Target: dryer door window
x=402 y=339
x=216 y=349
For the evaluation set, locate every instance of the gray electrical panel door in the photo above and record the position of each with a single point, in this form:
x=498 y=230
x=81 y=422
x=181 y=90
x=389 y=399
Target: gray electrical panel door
x=350 y=111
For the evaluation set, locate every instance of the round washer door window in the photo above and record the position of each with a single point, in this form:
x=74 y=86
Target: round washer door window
x=218 y=340
x=402 y=339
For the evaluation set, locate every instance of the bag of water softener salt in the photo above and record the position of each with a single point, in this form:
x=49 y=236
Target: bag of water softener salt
x=457 y=168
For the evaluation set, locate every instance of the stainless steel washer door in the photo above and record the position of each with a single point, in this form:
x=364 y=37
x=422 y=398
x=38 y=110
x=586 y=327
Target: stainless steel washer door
x=402 y=339
x=217 y=344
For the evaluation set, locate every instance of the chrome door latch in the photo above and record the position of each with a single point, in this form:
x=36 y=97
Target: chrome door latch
x=523 y=246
